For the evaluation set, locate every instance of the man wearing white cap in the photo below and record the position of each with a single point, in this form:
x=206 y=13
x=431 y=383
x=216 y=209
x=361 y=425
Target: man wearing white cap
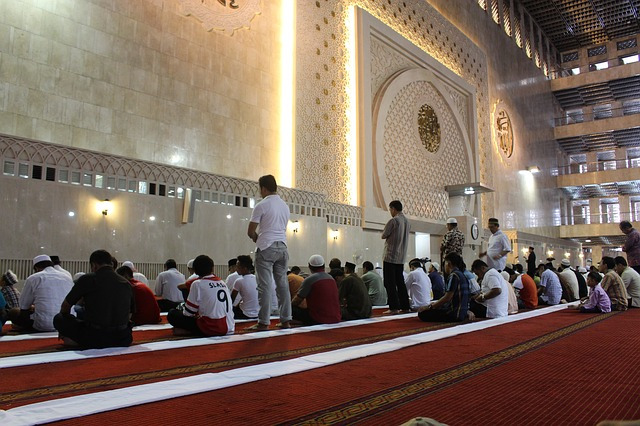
x=453 y=240
x=136 y=275
x=569 y=281
x=437 y=282
x=321 y=293
x=41 y=297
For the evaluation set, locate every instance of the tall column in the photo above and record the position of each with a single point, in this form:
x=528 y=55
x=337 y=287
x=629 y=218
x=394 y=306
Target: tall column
x=594 y=209
x=596 y=254
x=621 y=158
x=624 y=201
x=592 y=162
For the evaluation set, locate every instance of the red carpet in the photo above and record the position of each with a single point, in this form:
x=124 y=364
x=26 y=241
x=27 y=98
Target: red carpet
x=531 y=368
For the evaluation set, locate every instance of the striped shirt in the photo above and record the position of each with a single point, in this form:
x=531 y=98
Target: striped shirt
x=614 y=286
x=11 y=296
x=396 y=236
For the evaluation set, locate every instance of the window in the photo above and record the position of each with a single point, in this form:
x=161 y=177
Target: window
x=612 y=212
x=585 y=214
x=9 y=168
x=599 y=66
x=575 y=71
x=629 y=59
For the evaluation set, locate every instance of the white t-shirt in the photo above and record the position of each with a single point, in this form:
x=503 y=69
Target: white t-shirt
x=64 y=271
x=231 y=279
x=498 y=243
x=498 y=306
x=273 y=215
x=247 y=287
x=570 y=279
x=419 y=288
x=167 y=285
x=46 y=290
x=210 y=300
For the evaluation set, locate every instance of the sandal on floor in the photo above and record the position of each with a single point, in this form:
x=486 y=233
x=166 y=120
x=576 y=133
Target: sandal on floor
x=258 y=327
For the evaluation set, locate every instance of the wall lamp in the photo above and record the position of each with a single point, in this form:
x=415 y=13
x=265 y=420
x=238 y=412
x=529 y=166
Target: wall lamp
x=295 y=226
x=533 y=169
x=334 y=234
x=105 y=207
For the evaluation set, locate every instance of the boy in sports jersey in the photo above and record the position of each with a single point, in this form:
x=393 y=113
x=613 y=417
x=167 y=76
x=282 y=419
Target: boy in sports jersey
x=208 y=310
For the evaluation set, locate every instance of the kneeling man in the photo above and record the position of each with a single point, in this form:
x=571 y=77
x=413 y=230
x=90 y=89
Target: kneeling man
x=208 y=310
x=108 y=302
x=321 y=293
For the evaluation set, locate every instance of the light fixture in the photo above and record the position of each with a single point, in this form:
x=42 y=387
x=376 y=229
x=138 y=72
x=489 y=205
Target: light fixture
x=567 y=255
x=105 y=207
x=295 y=226
x=228 y=216
x=71 y=214
x=525 y=250
x=587 y=241
x=469 y=190
x=152 y=218
x=334 y=234
x=581 y=255
x=533 y=169
x=549 y=253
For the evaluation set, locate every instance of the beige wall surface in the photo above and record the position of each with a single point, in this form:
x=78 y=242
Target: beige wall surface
x=140 y=79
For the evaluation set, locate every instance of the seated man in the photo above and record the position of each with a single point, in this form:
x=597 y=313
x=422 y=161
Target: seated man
x=208 y=310
x=167 y=286
x=41 y=297
x=527 y=292
x=598 y=300
x=493 y=300
x=147 y=309
x=418 y=285
x=631 y=280
x=3 y=312
x=569 y=282
x=613 y=284
x=353 y=295
x=246 y=287
x=108 y=304
x=549 y=289
x=232 y=266
x=321 y=293
x=295 y=281
x=437 y=282
x=454 y=304
x=375 y=287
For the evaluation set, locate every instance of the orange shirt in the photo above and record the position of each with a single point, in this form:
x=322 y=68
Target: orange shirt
x=529 y=292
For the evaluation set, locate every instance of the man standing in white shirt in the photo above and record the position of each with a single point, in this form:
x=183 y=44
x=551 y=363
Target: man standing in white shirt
x=167 y=286
x=493 y=300
x=267 y=228
x=41 y=297
x=499 y=246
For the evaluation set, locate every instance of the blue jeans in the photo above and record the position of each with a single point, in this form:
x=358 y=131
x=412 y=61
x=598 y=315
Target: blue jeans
x=271 y=263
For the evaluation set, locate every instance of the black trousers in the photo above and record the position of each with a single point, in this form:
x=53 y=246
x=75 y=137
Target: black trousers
x=90 y=337
x=478 y=309
x=397 y=295
x=302 y=315
x=435 y=315
x=166 y=305
x=177 y=319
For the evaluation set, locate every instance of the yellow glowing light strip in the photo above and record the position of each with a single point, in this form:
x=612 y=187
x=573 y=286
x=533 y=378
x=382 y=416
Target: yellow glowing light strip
x=351 y=111
x=287 y=92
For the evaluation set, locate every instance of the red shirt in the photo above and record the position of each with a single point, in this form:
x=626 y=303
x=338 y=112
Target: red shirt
x=529 y=292
x=147 y=310
x=321 y=293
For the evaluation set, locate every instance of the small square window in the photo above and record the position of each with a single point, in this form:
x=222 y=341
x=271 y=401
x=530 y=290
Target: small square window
x=63 y=176
x=111 y=183
x=99 y=181
x=142 y=187
x=23 y=170
x=87 y=179
x=122 y=184
x=9 y=168
x=75 y=178
x=132 y=186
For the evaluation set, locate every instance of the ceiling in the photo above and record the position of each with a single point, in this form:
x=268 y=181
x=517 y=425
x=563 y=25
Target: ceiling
x=571 y=24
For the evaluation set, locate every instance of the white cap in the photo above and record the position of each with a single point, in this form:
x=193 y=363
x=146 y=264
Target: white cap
x=435 y=265
x=565 y=262
x=41 y=258
x=316 y=261
x=582 y=270
x=79 y=274
x=509 y=265
x=130 y=265
x=452 y=220
x=190 y=264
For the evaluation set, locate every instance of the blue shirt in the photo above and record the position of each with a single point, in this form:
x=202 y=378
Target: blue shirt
x=437 y=284
x=552 y=288
x=459 y=305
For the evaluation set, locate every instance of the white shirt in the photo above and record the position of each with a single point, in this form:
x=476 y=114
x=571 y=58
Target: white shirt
x=64 y=271
x=498 y=243
x=231 y=279
x=569 y=278
x=273 y=215
x=45 y=290
x=247 y=287
x=419 y=288
x=631 y=280
x=167 y=285
x=498 y=306
x=140 y=277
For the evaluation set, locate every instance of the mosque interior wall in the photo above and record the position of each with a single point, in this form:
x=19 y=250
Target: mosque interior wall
x=143 y=81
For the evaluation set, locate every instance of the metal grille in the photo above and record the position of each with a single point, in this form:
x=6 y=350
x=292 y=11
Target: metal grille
x=627 y=44
x=595 y=51
x=572 y=56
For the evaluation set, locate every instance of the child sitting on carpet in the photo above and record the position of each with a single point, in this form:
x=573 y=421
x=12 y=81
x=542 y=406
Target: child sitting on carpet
x=598 y=299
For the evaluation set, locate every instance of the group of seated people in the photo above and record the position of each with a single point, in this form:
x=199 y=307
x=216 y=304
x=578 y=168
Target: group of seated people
x=99 y=309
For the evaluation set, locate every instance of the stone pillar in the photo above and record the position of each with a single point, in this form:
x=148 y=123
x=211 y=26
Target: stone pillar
x=616 y=109
x=596 y=255
x=621 y=158
x=587 y=113
x=592 y=161
x=594 y=209
x=577 y=216
x=624 y=202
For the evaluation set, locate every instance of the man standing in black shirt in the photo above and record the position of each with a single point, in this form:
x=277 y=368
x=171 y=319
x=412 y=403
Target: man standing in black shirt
x=531 y=263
